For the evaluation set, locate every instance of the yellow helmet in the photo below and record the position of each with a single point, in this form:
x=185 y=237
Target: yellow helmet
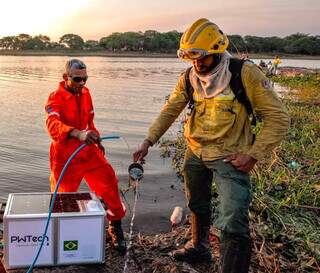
x=201 y=39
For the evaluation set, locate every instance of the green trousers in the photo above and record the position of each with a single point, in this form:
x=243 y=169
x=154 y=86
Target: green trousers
x=233 y=186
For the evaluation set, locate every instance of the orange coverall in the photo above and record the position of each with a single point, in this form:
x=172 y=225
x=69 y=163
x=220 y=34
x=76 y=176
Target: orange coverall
x=64 y=112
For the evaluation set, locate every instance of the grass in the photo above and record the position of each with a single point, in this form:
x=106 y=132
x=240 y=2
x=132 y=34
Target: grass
x=305 y=88
x=286 y=187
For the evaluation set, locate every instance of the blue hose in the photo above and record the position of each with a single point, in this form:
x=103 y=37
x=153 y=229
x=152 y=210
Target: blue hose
x=54 y=197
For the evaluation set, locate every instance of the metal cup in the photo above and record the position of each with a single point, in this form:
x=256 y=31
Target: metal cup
x=135 y=171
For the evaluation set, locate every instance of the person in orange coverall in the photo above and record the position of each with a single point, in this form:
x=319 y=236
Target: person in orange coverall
x=69 y=119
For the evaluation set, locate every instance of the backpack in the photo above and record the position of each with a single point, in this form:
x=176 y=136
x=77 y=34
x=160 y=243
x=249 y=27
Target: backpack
x=236 y=85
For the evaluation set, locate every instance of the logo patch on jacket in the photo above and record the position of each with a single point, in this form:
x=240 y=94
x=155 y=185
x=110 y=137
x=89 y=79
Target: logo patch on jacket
x=266 y=84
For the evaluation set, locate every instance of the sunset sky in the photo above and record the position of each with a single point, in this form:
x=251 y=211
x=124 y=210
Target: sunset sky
x=93 y=19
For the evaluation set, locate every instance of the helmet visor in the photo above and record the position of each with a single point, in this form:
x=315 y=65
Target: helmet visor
x=191 y=54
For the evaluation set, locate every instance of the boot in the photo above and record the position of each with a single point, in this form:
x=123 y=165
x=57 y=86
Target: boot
x=198 y=249
x=117 y=237
x=235 y=253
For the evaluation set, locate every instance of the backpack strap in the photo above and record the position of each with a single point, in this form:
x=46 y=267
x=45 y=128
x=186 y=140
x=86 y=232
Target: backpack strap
x=235 y=67
x=189 y=89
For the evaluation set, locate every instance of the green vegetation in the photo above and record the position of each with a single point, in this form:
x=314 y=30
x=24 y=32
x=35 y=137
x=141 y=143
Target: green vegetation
x=149 y=41
x=298 y=43
x=307 y=87
x=286 y=187
x=167 y=42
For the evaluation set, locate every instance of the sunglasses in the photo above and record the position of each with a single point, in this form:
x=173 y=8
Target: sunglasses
x=78 y=79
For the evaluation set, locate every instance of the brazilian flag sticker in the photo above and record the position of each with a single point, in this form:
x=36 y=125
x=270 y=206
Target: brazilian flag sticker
x=70 y=245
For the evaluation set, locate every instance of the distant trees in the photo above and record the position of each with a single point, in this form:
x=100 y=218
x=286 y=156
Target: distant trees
x=39 y=42
x=72 y=41
x=303 y=44
x=237 y=44
x=298 y=43
x=127 y=41
x=167 y=42
x=8 y=42
x=91 y=45
x=25 y=42
x=150 y=40
x=254 y=44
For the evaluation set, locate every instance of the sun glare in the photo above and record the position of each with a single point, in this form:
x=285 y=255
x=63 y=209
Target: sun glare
x=36 y=16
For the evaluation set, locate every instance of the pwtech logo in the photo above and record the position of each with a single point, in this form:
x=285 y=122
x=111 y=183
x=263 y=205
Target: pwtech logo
x=28 y=239
x=70 y=245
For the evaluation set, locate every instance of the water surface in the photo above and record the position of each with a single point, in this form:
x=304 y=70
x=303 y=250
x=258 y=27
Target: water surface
x=127 y=94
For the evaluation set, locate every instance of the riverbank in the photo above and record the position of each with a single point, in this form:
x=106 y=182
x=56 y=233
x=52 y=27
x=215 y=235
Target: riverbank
x=132 y=54
x=289 y=72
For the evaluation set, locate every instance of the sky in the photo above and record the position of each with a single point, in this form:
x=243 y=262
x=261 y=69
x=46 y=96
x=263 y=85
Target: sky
x=93 y=19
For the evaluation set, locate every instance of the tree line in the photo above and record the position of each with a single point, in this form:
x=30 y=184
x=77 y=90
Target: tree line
x=166 y=42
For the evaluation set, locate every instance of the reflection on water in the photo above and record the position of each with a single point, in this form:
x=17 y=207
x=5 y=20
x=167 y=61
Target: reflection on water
x=127 y=93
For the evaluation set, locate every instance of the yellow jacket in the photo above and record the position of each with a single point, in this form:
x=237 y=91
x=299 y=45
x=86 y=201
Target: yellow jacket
x=276 y=61
x=220 y=126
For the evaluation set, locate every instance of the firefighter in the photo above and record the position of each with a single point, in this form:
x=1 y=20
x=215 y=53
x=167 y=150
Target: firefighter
x=221 y=145
x=70 y=123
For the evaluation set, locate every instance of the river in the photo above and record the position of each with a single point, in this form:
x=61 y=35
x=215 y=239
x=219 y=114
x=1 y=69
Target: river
x=127 y=94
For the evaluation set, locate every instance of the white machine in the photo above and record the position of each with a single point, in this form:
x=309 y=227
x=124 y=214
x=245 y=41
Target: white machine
x=76 y=232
